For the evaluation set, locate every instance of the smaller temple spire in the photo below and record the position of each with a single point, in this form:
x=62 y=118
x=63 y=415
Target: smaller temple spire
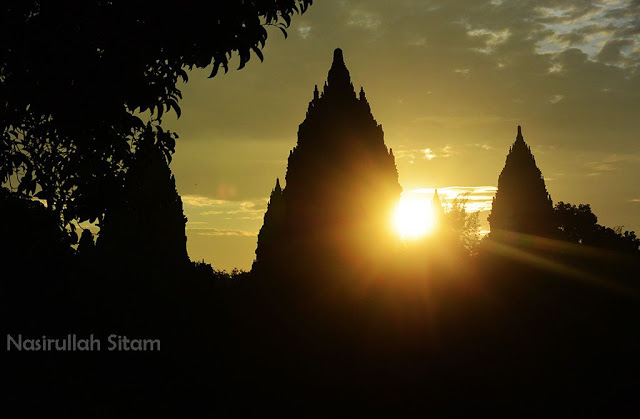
x=519 y=135
x=316 y=93
x=437 y=204
x=436 y=198
x=278 y=189
x=362 y=96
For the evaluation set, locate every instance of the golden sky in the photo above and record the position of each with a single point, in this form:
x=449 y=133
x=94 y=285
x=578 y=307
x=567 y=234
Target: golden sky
x=449 y=81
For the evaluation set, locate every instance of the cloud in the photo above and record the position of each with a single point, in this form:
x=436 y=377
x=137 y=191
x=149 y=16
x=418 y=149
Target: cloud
x=428 y=154
x=462 y=119
x=485 y=147
x=446 y=151
x=201 y=201
x=304 y=31
x=478 y=198
x=218 y=210
x=556 y=98
x=616 y=51
x=491 y=39
x=611 y=163
x=462 y=71
x=423 y=153
x=258 y=206
x=607 y=31
x=364 y=19
x=223 y=232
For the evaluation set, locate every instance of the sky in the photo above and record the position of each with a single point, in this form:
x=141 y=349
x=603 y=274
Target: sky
x=449 y=81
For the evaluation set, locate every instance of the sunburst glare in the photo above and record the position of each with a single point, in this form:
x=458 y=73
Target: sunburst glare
x=413 y=217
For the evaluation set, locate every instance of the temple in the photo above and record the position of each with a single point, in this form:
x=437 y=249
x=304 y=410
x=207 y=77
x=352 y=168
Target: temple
x=522 y=203
x=436 y=205
x=341 y=182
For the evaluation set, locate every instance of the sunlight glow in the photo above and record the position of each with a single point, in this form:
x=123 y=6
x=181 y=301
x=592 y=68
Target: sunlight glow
x=413 y=217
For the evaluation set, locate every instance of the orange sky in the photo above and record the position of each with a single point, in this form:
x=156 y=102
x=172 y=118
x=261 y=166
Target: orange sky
x=449 y=82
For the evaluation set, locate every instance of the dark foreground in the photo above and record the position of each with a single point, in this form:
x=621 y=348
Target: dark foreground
x=498 y=336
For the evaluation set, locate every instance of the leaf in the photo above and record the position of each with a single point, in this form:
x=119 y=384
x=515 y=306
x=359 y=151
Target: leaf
x=287 y=20
x=42 y=195
x=243 y=61
x=258 y=52
x=74 y=237
x=214 y=71
x=174 y=104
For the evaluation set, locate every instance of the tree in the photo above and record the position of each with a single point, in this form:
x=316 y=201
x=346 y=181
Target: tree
x=462 y=225
x=86 y=243
x=33 y=243
x=75 y=75
x=578 y=224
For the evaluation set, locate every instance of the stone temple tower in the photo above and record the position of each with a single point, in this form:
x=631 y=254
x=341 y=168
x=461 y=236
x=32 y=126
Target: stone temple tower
x=522 y=203
x=341 y=183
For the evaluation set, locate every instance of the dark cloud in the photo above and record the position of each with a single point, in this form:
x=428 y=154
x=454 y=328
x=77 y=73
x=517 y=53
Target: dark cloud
x=611 y=52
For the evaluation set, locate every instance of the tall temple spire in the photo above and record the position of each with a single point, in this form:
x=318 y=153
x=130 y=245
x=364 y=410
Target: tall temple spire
x=519 y=137
x=332 y=204
x=338 y=58
x=339 y=79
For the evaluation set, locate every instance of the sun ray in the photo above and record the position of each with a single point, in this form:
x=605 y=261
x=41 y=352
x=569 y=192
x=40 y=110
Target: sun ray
x=413 y=217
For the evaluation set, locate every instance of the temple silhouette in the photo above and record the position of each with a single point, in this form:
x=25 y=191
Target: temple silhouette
x=147 y=225
x=341 y=183
x=437 y=209
x=522 y=203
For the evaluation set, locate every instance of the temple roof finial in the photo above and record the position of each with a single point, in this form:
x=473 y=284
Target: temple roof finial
x=337 y=56
x=339 y=79
x=278 y=188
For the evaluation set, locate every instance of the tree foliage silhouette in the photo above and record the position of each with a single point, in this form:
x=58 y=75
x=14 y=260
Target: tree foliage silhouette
x=86 y=243
x=578 y=224
x=464 y=226
x=31 y=239
x=75 y=75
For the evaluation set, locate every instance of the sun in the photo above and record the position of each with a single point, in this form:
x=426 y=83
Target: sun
x=413 y=217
